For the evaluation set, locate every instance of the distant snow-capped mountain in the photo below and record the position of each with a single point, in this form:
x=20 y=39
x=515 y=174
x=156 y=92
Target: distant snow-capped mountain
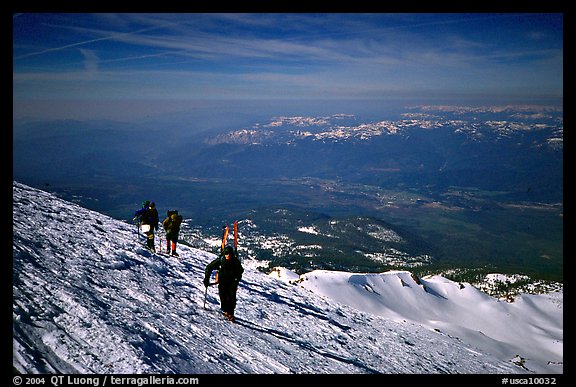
x=506 y=149
x=346 y=127
x=89 y=298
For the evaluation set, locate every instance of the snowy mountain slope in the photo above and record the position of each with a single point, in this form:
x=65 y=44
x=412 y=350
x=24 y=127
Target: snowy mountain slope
x=88 y=298
x=531 y=326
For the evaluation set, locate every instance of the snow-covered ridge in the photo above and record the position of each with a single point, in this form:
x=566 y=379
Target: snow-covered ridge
x=458 y=309
x=89 y=298
x=288 y=129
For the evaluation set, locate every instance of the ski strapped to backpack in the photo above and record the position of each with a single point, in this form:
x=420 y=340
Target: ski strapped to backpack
x=225 y=231
x=236 y=236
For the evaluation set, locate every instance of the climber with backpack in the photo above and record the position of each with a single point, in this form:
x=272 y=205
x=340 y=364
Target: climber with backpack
x=229 y=275
x=171 y=226
x=148 y=219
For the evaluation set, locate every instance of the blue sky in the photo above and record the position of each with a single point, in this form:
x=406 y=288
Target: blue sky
x=94 y=65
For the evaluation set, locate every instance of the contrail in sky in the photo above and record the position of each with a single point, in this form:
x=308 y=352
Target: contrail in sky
x=114 y=36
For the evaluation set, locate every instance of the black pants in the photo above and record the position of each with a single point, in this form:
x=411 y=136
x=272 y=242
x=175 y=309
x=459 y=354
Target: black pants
x=150 y=240
x=227 y=294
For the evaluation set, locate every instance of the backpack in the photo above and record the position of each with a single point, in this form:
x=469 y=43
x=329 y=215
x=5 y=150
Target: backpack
x=172 y=220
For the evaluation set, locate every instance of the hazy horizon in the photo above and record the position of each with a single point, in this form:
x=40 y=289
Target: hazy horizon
x=134 y=67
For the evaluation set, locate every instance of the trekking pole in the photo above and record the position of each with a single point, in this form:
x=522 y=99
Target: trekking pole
x=137 y=228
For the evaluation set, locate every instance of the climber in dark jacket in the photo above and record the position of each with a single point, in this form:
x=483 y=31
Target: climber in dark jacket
x=148 y=217
x=229 y=274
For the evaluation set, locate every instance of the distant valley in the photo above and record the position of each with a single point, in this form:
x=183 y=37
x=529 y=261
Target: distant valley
x=492 y=149
x=434 y=188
